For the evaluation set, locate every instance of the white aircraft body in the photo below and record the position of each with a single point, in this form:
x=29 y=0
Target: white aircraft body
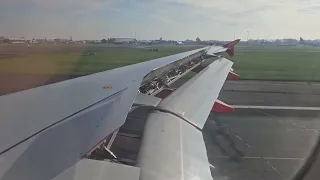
x=179 y=43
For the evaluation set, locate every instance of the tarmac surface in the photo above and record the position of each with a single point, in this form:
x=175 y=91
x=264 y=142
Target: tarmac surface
x=253 y=144
x=263 y=143
x=275 y=93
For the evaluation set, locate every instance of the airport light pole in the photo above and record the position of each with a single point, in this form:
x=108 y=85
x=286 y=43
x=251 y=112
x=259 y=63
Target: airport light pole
x=248 y=33
x=138 y=35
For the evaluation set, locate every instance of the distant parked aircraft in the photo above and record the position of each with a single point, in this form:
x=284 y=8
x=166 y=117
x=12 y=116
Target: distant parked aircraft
x=156 y=41
x=207 y=43
x=179 y=43
x=301 y=40
x=309 y=42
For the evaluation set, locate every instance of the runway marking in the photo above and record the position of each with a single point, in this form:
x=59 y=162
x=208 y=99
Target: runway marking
x=268 y=158
x=277 y=107
x=270 y=165
x=291 y=122
x=238 y=137
x=235 y=134
x=268 y=114
x=300 y=128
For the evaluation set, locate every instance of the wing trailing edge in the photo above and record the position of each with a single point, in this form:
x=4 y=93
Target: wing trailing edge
x=96 y=170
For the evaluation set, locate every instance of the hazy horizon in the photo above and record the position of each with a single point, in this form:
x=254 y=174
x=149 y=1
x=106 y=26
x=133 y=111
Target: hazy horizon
x=170 y=19
x=194 y=39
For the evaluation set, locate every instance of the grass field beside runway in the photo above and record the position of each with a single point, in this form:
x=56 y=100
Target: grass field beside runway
x=40 y=59
x=293 y=63
x=23 y=67
x=113 y=58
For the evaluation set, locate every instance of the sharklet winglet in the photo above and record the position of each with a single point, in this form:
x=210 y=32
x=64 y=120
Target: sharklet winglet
x=233 y=76
x=221 y=107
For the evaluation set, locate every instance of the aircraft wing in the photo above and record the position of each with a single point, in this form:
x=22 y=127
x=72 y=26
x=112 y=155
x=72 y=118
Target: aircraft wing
x=47 y=131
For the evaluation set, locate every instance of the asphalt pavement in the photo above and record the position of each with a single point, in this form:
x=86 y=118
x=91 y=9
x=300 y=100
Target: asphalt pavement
x=270 y=93
x=263 y=143
x=254 y=144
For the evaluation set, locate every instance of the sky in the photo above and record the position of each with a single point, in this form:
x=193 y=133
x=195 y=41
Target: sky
x=152 y=19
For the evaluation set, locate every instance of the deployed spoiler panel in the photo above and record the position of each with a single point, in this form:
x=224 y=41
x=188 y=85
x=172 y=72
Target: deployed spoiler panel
x=194 y=99
x=158 y=72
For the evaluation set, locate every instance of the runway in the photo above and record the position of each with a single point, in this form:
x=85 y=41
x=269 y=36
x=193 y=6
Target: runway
x=255 y=145
x=276 y=107
x=266 y=93
x=267 y=139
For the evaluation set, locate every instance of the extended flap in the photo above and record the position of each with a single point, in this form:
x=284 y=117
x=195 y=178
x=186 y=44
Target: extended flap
x=87 y=169
x=147 y=100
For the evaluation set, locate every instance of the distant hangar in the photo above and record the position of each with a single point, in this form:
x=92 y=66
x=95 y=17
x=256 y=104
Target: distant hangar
x=124 y=40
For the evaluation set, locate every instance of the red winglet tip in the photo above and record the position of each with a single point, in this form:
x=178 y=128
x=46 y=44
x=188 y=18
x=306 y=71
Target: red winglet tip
x=221 y=107
x=230 y=47
x=231 y=44
x=230 y=52
x=233 y=76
